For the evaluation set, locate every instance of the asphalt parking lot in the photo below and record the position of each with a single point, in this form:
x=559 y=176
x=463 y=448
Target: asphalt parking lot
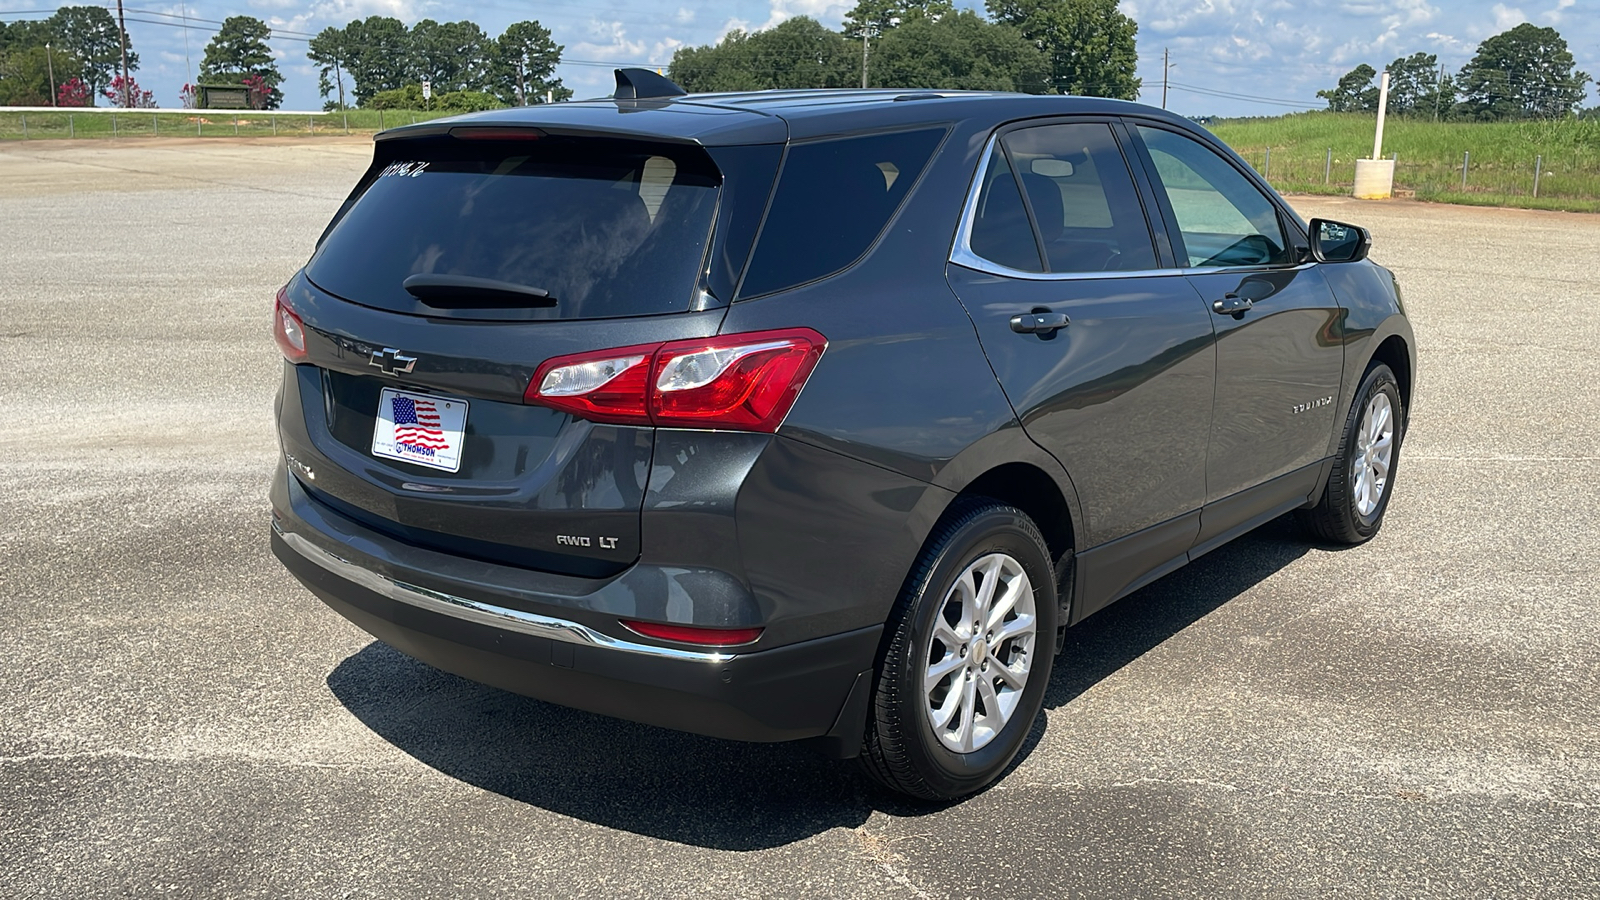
x=1416 y=717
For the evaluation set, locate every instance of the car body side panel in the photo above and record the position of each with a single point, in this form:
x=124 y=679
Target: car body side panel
x=1373 y=313
x=1278 y=374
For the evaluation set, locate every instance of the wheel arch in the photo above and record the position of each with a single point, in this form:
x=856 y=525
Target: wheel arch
x=1395 y=353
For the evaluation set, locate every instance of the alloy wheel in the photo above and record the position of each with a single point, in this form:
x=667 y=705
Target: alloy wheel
x=1374 y=453
x=980 y=653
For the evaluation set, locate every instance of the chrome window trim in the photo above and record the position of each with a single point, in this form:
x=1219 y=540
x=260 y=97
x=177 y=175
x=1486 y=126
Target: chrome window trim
x=485 y=613
x=961 y=253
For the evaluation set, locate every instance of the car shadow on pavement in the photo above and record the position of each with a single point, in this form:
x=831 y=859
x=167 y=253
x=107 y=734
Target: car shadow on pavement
x=722 y=794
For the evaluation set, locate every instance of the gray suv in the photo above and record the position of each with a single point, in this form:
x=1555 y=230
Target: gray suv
x=814 y=415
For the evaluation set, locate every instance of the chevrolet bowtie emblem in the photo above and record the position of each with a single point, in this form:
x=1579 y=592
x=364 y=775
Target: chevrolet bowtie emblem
x=392 y=361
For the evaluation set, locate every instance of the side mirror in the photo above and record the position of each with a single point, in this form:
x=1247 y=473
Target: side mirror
x=1333 y=242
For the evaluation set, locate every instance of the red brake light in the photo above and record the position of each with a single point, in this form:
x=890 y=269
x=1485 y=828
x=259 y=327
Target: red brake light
x=602 y=386
x=687 y=634
x=744 y=382
x=287 y=328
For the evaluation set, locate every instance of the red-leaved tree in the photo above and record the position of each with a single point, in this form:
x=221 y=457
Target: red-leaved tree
x=260 y=92
x=128 y=94
x=72 y=92
x=190 y=96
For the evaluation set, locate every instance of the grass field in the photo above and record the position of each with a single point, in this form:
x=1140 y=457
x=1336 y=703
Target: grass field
x=1307 y=152
x=1429 y=156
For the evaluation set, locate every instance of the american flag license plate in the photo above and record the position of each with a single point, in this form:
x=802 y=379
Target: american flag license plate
x=421 y=429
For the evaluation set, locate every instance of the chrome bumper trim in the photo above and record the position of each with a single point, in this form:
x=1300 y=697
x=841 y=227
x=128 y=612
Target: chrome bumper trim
x=484 y=613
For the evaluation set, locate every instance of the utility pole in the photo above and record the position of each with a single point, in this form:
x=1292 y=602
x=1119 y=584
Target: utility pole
x=1438 y=91
x=339 y=77
x=122 y=29
x=50 y=63
x=866 y=38
x=522 y=85
x=1166 y=63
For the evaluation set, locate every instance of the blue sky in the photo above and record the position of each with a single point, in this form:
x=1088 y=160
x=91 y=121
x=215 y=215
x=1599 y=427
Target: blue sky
x=1276 y=52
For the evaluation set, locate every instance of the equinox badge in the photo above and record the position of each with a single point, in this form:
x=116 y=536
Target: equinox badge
x=392 y=361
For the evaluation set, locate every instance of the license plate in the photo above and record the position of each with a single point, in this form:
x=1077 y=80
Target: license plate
x=421 y=429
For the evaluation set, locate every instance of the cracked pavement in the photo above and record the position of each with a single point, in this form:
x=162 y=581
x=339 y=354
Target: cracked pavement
x=1416 y=717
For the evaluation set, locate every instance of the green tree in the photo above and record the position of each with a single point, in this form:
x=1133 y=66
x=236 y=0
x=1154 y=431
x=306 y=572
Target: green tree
x=1089 y=44
x=796 y=53
x=240 y=50
x=330 y=50
x=1355 y=91
x=450 y=56
x=1416 y=87
x=1524 y=73
x=959 y=51
x=25 y=73
x=524 y=64
x=884 y=15
x=90 y=33
x=379 y=49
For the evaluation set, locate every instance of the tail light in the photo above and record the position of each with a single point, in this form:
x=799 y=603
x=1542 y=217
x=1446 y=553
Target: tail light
x=742 y=382
x=688 y=634
x=287 y=328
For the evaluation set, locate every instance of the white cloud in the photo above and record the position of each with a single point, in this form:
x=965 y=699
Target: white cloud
x=1555 y=14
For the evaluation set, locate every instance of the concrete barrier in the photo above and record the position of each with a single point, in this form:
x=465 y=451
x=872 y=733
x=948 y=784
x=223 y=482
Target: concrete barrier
x=1374 y=179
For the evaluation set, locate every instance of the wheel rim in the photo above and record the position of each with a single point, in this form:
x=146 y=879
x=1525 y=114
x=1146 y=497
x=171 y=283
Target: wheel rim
x=980 y=653
x=1374 y=454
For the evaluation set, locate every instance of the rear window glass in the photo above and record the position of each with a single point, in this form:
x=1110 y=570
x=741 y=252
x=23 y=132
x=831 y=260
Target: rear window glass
x=605 y=227
x=833 y=200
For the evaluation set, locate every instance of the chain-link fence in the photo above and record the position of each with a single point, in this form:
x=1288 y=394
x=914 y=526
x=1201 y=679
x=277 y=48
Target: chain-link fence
x=53 y=125
x=1562 y=175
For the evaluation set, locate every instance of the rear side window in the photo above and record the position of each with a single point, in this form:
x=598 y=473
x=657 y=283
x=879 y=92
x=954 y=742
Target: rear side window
x=833 y=200
x=1000 y=230
x=605 y=227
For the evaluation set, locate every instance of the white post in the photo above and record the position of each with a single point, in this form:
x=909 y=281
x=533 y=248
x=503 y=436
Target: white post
x=1383 y=106
x=1375 y=176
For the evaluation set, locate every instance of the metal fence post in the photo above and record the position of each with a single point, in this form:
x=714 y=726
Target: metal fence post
x=1327 y=168
x=71 y=131
x=197 y=121
x=381 y=126
x=1267 y=166
x=310 y=125
x=155 y=126
x=113 y=124
x=347 y=121
x=274 y=124
x=1466 y=159
x=1538 y=169
x=24 y=126
x=235 y=124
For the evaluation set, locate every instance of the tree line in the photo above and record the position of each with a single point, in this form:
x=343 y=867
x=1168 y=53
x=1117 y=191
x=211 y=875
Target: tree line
x=1526 y=72
x=78 y=46
x=75 y=57
x=1035 y=46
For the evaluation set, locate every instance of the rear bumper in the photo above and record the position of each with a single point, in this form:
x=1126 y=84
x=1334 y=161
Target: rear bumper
x=551 y=648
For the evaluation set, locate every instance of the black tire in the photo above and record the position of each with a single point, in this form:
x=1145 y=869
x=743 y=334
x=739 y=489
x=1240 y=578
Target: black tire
x=1336 y=517
x=901 y=750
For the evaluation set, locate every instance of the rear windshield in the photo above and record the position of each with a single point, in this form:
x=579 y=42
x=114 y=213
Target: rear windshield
x=603 y=227
x=833 y=200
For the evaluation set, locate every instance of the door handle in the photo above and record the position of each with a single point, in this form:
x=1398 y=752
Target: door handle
x=1233 y=305
x=1044 y=323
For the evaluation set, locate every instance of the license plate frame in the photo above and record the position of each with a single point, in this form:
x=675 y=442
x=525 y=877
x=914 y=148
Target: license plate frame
x=430 y=430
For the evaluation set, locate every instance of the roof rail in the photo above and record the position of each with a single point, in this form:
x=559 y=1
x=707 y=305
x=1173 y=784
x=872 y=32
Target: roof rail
x=643 y=84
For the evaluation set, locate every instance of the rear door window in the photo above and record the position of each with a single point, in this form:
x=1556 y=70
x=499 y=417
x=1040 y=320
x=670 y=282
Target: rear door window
x=833 y=199
x=1082 y=196
x=604 y=227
